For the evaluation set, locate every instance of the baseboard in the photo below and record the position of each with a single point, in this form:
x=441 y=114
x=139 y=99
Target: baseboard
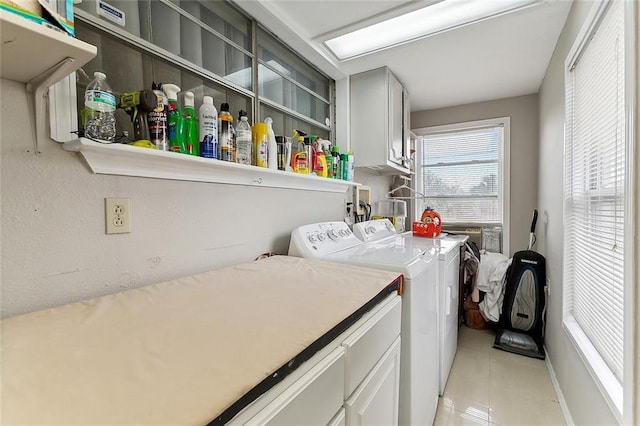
x=563 y=404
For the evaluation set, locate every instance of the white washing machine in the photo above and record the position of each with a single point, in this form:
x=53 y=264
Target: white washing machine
x=334 y=242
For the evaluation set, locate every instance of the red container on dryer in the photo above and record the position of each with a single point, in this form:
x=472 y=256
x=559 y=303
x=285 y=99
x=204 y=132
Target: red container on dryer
x=430 y=224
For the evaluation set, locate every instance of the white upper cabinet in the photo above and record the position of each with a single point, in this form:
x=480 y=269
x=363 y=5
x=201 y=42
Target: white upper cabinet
x=380 y=130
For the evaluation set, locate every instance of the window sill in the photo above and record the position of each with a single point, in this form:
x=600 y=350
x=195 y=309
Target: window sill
x=609 y=386
x=126 y=160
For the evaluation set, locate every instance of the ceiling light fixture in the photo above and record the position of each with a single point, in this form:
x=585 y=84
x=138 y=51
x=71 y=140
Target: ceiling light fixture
x=433 y=19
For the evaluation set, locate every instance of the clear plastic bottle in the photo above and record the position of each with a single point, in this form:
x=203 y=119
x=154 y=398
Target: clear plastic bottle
x=100 y=120
x=244 y=151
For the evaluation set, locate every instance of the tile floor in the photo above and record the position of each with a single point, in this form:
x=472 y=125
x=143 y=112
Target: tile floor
x=490 y=387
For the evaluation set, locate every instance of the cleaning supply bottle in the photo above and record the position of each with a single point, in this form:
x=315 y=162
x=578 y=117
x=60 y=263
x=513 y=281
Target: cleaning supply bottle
x=350 y=165
x=190 y=124
x=260 y=136
x=302 y=159
x=175 y=121
x=337 y=171
x=326 y=150
x=100 y=120
x=157 y=119
x=344 y=166
x=272 y=147
x=208 y=129
x=244 y=151
x=226 y=146
x=297 y=145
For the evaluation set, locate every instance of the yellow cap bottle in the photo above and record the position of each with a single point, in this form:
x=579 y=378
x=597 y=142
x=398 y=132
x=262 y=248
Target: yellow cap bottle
x=260 y=139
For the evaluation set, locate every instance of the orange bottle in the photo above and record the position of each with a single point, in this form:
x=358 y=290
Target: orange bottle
x=432 y=221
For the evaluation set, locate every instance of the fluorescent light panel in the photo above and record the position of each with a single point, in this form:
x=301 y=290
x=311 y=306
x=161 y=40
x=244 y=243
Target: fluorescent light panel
x=430 y=20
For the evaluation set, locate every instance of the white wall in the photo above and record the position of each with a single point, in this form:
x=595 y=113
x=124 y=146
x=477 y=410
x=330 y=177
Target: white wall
x=523 y=178
x=583 y=399
x=54 y=250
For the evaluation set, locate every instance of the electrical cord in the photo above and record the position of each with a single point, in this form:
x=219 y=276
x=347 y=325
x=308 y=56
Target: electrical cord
x=121 y=139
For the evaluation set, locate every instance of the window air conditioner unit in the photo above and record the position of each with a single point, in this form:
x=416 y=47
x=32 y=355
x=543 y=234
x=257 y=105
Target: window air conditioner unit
x=475 y=234
x=489 y=238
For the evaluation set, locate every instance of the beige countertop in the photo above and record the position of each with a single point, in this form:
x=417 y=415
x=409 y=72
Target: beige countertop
x=177 y=352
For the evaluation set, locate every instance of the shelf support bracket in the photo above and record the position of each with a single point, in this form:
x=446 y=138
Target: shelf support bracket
x=37 y=94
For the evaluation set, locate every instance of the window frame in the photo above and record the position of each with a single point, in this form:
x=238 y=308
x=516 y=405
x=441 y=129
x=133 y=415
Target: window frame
x=63 y=118
x=620 y=398
x=504 y=168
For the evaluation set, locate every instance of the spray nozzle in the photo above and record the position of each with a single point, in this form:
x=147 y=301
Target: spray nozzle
x=171 y=90
x=189 y=99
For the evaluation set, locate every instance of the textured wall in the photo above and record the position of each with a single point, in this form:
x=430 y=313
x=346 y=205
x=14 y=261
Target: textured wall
x=523 y=111
x=586 y=404
x=54 y=249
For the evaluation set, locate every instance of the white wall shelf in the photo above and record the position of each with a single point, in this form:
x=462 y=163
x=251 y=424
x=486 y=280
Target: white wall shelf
x=39 y=57
x=30 y=50
x=127 y=160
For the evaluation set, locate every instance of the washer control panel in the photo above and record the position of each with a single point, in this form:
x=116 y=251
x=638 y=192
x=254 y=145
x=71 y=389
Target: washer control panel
x=320 y=239
x=373 y=230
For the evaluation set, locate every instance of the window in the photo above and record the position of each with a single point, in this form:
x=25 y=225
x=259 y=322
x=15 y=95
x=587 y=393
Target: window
x=462 y=171
x=595 y=198
x=206 y=48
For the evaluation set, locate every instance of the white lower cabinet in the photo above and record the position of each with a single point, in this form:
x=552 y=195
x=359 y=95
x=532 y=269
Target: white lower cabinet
x=313 y=399
x=339 y=419
x=353 y=381
x=375 y=401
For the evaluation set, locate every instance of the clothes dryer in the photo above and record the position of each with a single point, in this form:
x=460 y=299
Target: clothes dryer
x=334 y=242
x=447 y=250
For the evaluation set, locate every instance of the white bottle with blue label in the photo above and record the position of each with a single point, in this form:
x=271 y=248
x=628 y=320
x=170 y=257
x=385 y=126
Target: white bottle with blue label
x=208 y=129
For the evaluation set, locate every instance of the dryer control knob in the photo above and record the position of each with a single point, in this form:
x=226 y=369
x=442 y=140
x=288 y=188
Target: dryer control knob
x=312 y=238
x=370 y=230
x=332 y=234
x=322 y=237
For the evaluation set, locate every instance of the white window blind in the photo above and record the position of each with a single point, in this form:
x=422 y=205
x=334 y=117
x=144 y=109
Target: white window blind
x=595 y=189
x=462 y=174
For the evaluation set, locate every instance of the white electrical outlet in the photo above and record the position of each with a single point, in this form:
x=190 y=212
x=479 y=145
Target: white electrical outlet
x=116 y=215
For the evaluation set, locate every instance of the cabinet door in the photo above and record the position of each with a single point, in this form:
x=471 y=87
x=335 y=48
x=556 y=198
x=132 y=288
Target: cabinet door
x=396 y=121
x=406 y=128
x=312 y=400
x=449 y=325
x=376 y=400
x=365 y=347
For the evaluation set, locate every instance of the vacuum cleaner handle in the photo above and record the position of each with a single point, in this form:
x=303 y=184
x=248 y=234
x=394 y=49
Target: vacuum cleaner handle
x=534 y=220
x=532 y=234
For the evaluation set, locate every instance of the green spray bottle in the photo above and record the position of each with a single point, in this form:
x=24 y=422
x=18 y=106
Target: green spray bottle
x=190 y=124
x=175 y=121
